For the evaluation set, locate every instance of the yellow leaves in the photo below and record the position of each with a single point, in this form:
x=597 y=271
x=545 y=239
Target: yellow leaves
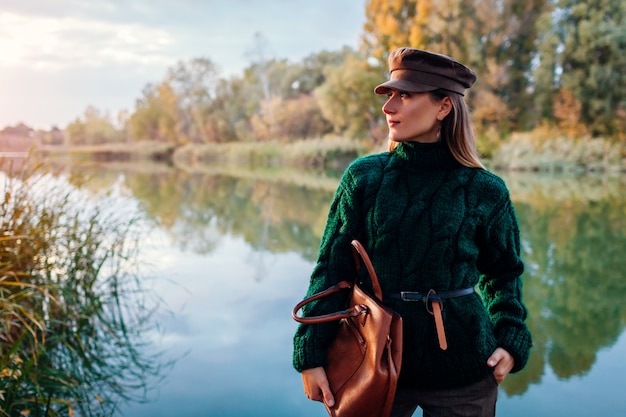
x=9 y=373
x=25 y=412
x=389 y=25
x=416 y=37
x=397 y=5
x=424 y=10
x=13 y=370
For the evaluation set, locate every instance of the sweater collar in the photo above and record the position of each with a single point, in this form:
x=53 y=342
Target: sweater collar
x=426 y=156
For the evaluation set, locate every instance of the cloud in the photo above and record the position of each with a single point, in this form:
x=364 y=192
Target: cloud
x=59 y=56
x=52 y=44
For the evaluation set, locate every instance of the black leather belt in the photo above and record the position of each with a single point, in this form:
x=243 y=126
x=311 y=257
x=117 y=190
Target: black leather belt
x=433 y=301
x=430 y=295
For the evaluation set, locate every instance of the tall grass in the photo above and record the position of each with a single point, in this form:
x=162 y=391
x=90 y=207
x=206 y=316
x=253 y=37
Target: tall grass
x=312 y=153
x=540 y=151
x=73 y=311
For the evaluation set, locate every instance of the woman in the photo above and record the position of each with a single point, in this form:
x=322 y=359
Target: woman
x=431 y=218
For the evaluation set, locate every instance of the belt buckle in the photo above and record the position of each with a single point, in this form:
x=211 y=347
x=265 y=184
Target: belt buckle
x=405 y=296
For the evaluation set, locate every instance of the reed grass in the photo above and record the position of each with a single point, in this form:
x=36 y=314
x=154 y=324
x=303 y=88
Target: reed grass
x=73 y=310
x=313 y=153
x=535 y=152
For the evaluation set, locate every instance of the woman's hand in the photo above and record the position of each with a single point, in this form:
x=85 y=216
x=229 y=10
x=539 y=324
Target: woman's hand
x=502 y=362
x=316 y=386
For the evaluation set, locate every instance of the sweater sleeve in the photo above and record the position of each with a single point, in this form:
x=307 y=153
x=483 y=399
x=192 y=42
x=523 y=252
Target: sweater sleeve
x=335 y=263
x=501 y=284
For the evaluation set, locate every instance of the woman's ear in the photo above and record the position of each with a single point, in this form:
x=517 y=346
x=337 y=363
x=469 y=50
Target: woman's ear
x=445 y=107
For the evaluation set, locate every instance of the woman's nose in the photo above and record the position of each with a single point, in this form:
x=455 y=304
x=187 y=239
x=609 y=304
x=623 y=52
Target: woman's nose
x=388 y=107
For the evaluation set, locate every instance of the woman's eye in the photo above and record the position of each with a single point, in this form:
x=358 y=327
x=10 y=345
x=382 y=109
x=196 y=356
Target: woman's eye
x=401 y=94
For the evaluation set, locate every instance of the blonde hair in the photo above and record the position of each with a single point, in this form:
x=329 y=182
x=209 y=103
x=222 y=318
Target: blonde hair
x=456 y=131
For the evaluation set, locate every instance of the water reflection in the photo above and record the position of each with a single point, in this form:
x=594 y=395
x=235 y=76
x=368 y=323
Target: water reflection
x=276 y=211
x=240 y=244
x=574 y=237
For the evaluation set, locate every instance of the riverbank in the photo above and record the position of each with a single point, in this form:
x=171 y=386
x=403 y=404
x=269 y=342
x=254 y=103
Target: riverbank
x=331 y=153
x=523 y=152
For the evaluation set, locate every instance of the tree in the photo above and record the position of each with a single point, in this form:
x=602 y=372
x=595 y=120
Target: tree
x=154 y=118
x=94 y=128
x=424 y=24
x=281 y=105
x=391 y=24
x=176 y=109
x=228 y=116
x=545 y=81
x=310 y=73
x=504 y=45
x=347 y=99
x=295 y=119
x=192 y=85
x=593 y=59
x=496 y=38
x=584 y=56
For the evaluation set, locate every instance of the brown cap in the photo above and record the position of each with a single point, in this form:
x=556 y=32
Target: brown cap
x=416 y=71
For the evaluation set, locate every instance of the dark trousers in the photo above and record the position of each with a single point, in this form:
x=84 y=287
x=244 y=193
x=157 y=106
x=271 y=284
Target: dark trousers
x=476 y=400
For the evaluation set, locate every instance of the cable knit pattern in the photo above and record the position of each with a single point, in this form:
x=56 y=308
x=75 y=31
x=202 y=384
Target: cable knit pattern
x=427 y=223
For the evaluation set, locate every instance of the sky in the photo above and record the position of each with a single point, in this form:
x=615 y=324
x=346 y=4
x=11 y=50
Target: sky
x=57 y=57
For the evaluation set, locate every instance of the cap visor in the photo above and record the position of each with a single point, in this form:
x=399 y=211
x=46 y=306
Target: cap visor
x=403 y=85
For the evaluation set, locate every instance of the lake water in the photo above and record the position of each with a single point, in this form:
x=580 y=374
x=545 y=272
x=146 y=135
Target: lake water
x=230 y=253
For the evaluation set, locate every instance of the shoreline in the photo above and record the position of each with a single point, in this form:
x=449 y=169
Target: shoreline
x=523 y=154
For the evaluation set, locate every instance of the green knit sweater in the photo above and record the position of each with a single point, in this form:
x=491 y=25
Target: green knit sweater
x=427 y=222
